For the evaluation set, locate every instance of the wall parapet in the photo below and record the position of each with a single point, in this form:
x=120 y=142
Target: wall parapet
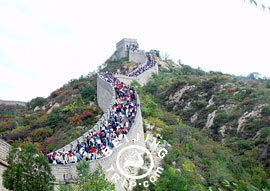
x=106 y=97
x=4 y=149
x=62 y=172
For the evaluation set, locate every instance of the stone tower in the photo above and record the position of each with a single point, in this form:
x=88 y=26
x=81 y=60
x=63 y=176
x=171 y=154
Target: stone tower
x=124 y=45
x=128 y=47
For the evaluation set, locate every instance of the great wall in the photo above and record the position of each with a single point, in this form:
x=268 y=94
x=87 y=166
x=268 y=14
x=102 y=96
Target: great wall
x=105 y=98
x=7 y=102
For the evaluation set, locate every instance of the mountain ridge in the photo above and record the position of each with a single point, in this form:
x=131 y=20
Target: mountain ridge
x=12 y=102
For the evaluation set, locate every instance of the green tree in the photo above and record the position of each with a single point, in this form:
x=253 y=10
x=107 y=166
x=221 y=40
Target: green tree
x=267 y=85
x=87 y=91
x=90 y=181
x=38 y=101
x=27 y=170
x=54 y=118
x=254 y=75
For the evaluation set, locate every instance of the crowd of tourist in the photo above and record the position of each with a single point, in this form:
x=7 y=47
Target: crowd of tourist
x=112 y=130
x=150 y=63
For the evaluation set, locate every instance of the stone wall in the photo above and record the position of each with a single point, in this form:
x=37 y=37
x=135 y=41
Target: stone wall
x=62 y=172
x=142 y=79
x=4 y=148
x=106 y=98
x=137 y=56
x=2 y=168
x=105 y=94
x=12 y=102
x=66 y=171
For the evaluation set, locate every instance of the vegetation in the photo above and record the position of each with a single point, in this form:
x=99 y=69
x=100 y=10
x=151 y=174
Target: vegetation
x=177 y=102
x=54 y=121
x=27 y=170
x=121 y=65
x=204 y=159
x=89 y=181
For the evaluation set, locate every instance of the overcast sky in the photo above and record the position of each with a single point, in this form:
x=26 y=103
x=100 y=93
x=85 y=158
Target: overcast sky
x=44 y=44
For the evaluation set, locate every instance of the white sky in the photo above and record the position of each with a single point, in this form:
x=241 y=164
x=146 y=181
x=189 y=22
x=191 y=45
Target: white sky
x=44 y=44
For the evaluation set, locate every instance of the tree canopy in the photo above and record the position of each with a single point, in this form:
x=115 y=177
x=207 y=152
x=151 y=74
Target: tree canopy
x=89 y=181
x=27 y=170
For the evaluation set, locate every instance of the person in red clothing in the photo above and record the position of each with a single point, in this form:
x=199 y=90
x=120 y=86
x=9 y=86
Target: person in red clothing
x=93 y=156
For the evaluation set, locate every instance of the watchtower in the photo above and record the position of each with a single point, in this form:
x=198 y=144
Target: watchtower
x=124 y=45
x=128 y=47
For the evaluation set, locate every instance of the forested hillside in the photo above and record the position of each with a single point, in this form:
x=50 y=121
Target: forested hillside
x=56 y=120
x=218 y=126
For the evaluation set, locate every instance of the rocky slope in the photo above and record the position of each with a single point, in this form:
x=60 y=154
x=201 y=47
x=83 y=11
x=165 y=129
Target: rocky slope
x=218 y=124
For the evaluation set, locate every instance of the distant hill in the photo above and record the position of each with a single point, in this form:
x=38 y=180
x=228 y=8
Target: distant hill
x=8 y=102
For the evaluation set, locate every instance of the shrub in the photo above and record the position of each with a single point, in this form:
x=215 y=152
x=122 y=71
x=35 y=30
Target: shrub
x=53 y=118
x=156 y=122
x=267 y=85
x=144 y=126
x=21 y=132
x=87 y=91
x=169 y=118
x=50 y=147
x=92 y=97
x=38 y=101
x=245 y=145
x=54 y=94
x=219 y=120
x=173 y=155
x=266 y=110
x=265 y=132
x=40 y=134
x=246 y=101
x=229 y=90
x=86 y=114
x=199 y=104
x=76 y=119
